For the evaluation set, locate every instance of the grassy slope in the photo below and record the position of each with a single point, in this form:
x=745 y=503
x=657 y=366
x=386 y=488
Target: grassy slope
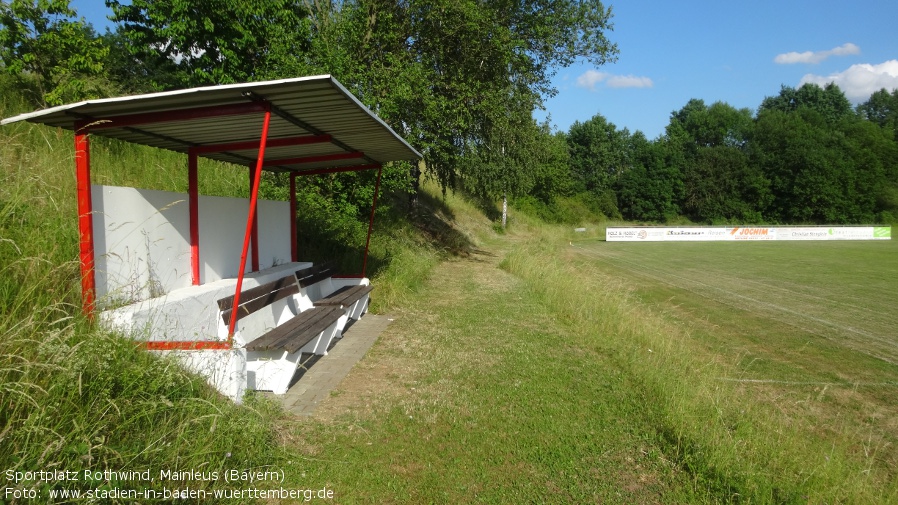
x=74 y=397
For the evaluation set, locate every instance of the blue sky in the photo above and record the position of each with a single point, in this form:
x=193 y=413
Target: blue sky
x=735 y=52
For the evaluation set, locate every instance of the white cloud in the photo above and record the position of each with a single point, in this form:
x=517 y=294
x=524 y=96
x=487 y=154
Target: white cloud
x=860 y=81
x=628 y=81
x=818 y=56
x=591 y=78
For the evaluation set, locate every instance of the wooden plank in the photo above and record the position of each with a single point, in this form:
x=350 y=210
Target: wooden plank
x=249 y=294
x=326 y=319
x=254 y=299
x=344 y=296
x=297 y=332
x=308 y=276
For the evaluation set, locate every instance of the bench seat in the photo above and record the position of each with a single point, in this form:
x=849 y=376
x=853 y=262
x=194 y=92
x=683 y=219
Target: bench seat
x=352 y=299
x=298 y=332
x=276 y=325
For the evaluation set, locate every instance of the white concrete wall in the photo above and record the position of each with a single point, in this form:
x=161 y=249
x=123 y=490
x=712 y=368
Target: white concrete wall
x=142 y=240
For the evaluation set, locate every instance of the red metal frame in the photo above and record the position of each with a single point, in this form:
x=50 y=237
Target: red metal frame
x=253 y=200
x=254 y=144
x=193 y=199
x=85 y=223
x=173 y=115
x=85 y=205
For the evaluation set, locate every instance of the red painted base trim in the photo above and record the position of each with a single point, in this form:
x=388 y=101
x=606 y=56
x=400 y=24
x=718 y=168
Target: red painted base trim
x=186 y=345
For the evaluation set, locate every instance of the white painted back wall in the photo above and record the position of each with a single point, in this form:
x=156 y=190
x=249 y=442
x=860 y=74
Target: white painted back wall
x=142 y=240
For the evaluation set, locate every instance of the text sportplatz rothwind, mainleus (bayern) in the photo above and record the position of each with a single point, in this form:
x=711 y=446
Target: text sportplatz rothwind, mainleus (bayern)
x=163 y=475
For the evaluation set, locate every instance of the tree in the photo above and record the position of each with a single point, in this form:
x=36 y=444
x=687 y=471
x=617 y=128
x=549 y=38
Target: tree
x=215 y=41
x=43 y=44
x=829 y=101
x=650 y=188
x=708 y=146
x=598 y=153
x=819 y=172
x=450 y=73
x=882 y=109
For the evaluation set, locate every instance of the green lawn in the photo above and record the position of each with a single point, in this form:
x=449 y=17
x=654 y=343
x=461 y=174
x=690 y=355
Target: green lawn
x=834 y=301
x=809 y=329
x=544 y=372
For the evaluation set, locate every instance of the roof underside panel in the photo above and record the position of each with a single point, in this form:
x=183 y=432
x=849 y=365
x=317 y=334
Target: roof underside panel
x=301 y=107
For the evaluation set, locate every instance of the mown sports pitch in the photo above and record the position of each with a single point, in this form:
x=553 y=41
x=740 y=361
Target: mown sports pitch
x=841 y=294
x=810 y=328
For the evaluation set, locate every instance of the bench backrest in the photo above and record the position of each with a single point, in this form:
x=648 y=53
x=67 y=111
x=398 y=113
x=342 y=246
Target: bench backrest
x=315 y=273
x=259 y=297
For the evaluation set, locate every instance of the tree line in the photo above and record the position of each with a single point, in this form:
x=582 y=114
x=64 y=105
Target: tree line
x=460 y=79
x=806 y=156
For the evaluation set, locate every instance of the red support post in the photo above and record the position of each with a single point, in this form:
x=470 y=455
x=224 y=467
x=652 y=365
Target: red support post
x=85 y=222
x=371 y=221
x=294 y=252
x=193 y=204
x=249 y=222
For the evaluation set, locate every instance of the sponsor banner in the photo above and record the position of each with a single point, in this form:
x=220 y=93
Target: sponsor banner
x=744 y=233
x=751 y=233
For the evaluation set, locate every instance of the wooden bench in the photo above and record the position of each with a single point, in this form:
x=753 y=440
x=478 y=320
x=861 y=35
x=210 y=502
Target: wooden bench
x=314 y=274
x=275 y=332
x=353 y=299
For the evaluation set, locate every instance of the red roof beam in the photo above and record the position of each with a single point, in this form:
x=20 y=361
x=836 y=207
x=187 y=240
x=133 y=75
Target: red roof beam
x=172 y=115
x=315 y=159
x=354 y=168
x=254 y=144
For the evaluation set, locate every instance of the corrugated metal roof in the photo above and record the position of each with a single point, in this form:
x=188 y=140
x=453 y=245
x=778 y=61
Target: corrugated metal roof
x=304 y=106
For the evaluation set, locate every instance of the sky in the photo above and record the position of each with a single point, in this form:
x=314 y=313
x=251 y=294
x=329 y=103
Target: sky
x=714 y=50
x=733 y=52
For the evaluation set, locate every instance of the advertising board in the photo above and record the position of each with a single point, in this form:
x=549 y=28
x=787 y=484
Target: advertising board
x=744 y=233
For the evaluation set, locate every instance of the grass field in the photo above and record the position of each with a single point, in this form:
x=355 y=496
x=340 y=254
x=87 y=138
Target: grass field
x=534 y=371
x=807 y=328
x=837 y=295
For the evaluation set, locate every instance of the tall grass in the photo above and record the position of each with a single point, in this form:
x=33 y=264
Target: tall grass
x=735 y=446
x=73 y=396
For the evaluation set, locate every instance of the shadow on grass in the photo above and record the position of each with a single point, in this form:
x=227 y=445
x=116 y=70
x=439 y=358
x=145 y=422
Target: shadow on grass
x=320 y=240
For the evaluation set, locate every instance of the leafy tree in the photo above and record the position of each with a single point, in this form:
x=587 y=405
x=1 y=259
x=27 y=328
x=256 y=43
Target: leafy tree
x=44 y=45
x=599 y=153
x=829 y=101
x=450 y=73
x=707 y=144
x=818 y=172
x=651 y=187
x=718 y=125
x=882 y=109
x=214 y=41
